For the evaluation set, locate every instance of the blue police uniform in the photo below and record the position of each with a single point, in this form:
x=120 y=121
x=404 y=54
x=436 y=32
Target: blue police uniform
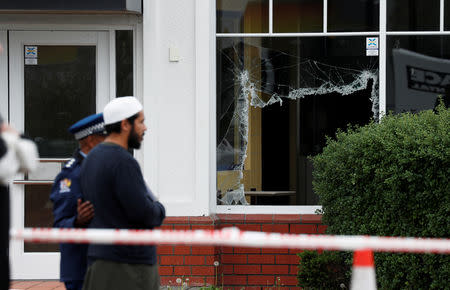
x=66 y=190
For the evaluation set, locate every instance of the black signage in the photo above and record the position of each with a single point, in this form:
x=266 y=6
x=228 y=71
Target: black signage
x=427 y=80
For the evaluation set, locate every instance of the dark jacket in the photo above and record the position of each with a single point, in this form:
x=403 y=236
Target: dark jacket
x=112 y=181
x=66 y=191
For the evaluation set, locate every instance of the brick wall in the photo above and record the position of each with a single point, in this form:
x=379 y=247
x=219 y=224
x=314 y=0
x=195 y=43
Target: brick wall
x=236 y=267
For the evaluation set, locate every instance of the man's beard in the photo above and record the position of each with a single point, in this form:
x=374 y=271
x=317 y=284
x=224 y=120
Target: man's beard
x=133 y=140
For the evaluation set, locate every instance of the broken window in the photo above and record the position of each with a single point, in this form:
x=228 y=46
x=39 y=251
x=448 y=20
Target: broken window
x=277 y=100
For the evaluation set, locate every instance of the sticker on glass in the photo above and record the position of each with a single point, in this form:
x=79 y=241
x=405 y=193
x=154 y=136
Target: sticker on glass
x=371 y=46
x=31 y=54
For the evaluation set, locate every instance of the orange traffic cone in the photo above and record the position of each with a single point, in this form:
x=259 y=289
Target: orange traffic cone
x=363 y=272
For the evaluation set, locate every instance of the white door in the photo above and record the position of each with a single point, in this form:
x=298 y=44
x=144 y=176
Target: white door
x=55 y=79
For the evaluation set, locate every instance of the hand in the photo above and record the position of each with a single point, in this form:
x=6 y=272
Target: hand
x=85 y=213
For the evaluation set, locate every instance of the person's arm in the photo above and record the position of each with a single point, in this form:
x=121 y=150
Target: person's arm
x=134 y=197
x=68 y=211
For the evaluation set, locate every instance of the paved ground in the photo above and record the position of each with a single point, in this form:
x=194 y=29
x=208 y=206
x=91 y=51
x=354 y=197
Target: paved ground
x=37 y=285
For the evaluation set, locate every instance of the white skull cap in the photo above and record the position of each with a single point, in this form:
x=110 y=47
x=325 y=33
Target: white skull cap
x=120 y=109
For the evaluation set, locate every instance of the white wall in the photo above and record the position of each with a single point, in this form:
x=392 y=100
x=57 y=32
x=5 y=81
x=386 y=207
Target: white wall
x=177 y=103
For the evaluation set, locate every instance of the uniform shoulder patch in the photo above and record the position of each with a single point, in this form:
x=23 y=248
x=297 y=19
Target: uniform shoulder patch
x=64 y=185
x=70 y=163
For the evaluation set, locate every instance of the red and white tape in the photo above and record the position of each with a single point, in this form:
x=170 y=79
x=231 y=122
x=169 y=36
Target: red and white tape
x=232 y=237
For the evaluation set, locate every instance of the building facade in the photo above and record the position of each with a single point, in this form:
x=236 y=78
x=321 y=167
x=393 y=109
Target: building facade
x=237 y=94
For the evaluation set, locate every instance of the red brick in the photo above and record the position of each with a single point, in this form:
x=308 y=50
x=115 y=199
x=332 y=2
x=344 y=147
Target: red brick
x=176 y=220
x=259 y=218
x=203 y=250
x=249 y=227
x=181 y=227
x=202 y=270
x=311 y=218
x=194 y=260
x=248 y=288
x=275 y=269
x=247 y=269
x=172 y=260
x=165 y=250
x=321 y=229
x=234 y=280
x=294 y=251
x=182 y=270
x=286 y=218
x=210 y=281
x=287 y=281
x=265 y=280
x=242 y=250
x=234 y=259
x=227 y=250
x=284 y=229
x=202 y=227
x=167 y=280
x=303 y=229
x=182 y=250
x=209 y=260
x=293 y=269
x=165 y=270
x=207 y=220
x=274 y=251
x=287 y=259
x=228 y=269
x=261 y=259
x=166 y=227
x=228 y=218
x=193 y=281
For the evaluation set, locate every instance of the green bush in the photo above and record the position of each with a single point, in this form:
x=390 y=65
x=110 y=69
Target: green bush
x=322 y=271
x=391 y=179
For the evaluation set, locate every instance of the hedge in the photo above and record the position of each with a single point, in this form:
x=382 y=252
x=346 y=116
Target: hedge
x=391 y=178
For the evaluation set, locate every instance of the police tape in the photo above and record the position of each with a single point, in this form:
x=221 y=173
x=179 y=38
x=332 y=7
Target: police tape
x=231 y=237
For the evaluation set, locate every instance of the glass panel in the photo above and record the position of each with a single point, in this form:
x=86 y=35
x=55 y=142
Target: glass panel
x=277 y=99
x=418 y=70
x=239 y=16
x=38 y=213
x=447 y=16
x=412 y=15
x=60 y=89
x=124 y=63
x=297 y=16
x=354 y=15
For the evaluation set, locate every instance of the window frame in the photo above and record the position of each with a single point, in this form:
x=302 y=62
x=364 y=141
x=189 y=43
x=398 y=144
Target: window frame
x=382 y=34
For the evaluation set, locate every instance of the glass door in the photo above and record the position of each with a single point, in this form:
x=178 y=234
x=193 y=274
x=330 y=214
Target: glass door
x=56 y=78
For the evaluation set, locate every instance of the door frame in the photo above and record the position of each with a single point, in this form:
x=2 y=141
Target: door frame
x=43 y=265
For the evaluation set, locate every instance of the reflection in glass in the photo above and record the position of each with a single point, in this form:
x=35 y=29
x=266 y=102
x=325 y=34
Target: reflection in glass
x=297 y=16
x=447 y=16
x=124 y=63
x=418 y=70
x=412 y=15
x=277 y=99
x=354 y=15
x=242 y=16
x=59 y=90
x=38 y=213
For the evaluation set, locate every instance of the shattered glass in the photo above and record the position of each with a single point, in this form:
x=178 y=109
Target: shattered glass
x=260 y=72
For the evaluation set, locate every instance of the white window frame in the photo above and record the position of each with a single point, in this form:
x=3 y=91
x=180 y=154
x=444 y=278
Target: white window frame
x=382 y=34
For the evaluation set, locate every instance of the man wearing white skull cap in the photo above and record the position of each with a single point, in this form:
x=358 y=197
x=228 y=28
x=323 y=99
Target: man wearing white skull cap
x=112 y=181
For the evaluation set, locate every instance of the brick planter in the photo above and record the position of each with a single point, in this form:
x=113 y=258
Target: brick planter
x=238 y=267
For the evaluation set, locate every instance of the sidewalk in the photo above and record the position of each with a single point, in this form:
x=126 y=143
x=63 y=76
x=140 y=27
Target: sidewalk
x=36 y=285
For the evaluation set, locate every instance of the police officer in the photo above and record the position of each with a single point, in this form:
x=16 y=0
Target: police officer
x=69 y=210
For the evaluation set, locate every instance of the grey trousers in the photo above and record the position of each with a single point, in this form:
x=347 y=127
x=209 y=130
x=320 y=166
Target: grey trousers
x=109 y=275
